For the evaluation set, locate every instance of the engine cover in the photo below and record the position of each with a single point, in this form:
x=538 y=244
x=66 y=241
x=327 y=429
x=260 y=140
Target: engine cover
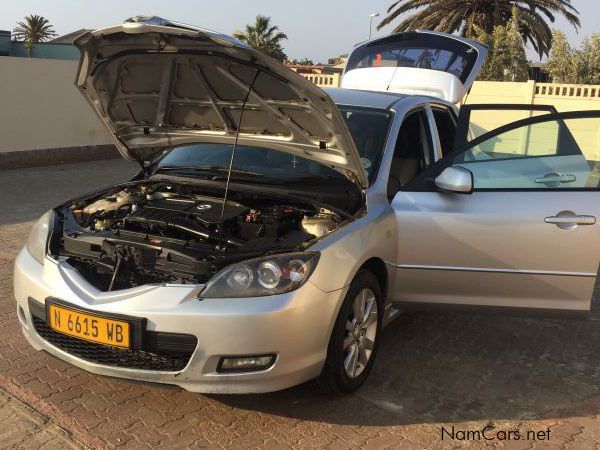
x=207 y=211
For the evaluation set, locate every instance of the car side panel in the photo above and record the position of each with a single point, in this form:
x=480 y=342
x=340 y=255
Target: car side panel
x=495 y=249
x=347 y=249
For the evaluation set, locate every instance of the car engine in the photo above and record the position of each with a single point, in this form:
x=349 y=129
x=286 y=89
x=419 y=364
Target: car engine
x=144 y=233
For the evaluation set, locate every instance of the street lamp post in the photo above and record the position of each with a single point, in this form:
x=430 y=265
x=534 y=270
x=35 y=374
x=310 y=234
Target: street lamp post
x=371 y=23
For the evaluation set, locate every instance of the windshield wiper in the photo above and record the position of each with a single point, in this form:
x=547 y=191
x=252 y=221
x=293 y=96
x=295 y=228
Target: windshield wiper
x=313 y=179
x=225 y=169
x=173 y=168
x=208 y=169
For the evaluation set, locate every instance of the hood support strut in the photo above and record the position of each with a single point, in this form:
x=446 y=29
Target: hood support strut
x=235 y=143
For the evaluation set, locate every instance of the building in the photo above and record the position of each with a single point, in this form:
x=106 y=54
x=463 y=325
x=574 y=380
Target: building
x=339 y=61
x=537 y=72
x=323 y=75
x=4 y=43
x=59 y=48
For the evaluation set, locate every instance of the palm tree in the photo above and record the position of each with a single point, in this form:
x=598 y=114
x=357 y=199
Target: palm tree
x=263 y=37
x=468 y=16
x=32 y=30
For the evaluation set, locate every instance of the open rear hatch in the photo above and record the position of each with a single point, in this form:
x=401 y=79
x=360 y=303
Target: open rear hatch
x=418 y=63
x=157 y=84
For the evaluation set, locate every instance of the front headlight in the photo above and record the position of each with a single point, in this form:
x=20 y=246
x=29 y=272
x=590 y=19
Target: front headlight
x=38 y=238
x=270 y=275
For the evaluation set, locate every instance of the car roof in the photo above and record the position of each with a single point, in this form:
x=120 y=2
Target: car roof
x=377 y=99
x=360 y=98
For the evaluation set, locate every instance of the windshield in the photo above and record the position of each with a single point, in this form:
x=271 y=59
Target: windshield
x=422 y=51
x=259 y=164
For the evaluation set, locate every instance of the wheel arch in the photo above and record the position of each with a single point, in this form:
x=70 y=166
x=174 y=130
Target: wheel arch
x=378 y=268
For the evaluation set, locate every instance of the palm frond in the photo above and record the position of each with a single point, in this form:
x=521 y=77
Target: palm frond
x=394 y=11
x=467 y=16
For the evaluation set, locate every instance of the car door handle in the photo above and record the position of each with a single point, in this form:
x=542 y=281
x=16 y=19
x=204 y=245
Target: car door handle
x=571 y=220
x=555 y=177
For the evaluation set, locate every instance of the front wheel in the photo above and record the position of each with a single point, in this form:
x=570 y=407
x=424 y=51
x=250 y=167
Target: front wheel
x=355 y=337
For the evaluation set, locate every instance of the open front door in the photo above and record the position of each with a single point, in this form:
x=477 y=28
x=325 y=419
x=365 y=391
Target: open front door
x=526 y=237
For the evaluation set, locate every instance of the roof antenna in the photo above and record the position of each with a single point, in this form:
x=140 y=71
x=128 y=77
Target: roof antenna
x=237 y=135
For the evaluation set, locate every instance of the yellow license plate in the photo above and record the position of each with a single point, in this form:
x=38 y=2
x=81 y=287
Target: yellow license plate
x=89 y=327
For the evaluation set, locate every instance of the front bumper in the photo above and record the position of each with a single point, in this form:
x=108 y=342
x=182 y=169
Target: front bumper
x=295 y=327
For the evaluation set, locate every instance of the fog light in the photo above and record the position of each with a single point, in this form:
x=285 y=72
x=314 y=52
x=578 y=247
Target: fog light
x=245 y=363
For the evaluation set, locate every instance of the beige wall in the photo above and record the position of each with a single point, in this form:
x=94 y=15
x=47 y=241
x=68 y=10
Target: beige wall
x=40 y=108
x=564 y=97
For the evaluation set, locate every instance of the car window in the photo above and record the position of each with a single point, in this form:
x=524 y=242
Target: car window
x=482 y=121
x=425 y=51
x=271 y=164
x=413 y=152
x=446 y=128
x=560 y=154
x=368 y=128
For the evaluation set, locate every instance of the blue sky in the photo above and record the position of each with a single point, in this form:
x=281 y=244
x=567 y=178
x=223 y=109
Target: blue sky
x=317 y=29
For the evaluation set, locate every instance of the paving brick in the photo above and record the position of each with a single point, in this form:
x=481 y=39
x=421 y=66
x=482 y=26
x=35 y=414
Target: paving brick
x=24 y=427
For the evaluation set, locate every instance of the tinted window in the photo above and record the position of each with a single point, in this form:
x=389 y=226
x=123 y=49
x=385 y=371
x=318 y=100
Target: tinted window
x=446 y=128
x=369 y=129
x=489 y=118
x=554 y=154
x=423 y=51
x=413 y=152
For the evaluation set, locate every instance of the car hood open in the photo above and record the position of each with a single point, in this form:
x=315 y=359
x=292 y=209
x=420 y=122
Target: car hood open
x=157 y=84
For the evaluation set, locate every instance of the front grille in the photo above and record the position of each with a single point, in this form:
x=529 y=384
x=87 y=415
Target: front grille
x=168 y=352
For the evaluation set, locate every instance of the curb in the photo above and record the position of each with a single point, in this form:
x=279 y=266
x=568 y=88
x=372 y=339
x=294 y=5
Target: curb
x=52 y=156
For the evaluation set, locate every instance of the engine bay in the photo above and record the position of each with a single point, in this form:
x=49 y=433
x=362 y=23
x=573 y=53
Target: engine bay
x=156 y=232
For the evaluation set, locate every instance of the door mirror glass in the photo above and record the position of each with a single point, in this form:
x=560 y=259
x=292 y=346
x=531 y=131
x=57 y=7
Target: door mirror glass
x=455 y=179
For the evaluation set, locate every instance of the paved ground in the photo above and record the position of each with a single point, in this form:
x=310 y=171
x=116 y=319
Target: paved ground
x=433 y=371
x=23 y=426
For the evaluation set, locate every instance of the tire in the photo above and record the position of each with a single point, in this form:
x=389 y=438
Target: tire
x=339 y=375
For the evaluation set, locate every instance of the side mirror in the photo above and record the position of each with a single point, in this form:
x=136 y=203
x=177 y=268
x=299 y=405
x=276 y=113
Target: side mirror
x=455 y=179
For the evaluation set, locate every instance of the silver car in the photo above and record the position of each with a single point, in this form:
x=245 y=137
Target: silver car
x=274 y=228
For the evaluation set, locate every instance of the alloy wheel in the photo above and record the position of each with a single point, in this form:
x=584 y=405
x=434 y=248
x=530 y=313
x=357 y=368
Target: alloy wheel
x=361 y=328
